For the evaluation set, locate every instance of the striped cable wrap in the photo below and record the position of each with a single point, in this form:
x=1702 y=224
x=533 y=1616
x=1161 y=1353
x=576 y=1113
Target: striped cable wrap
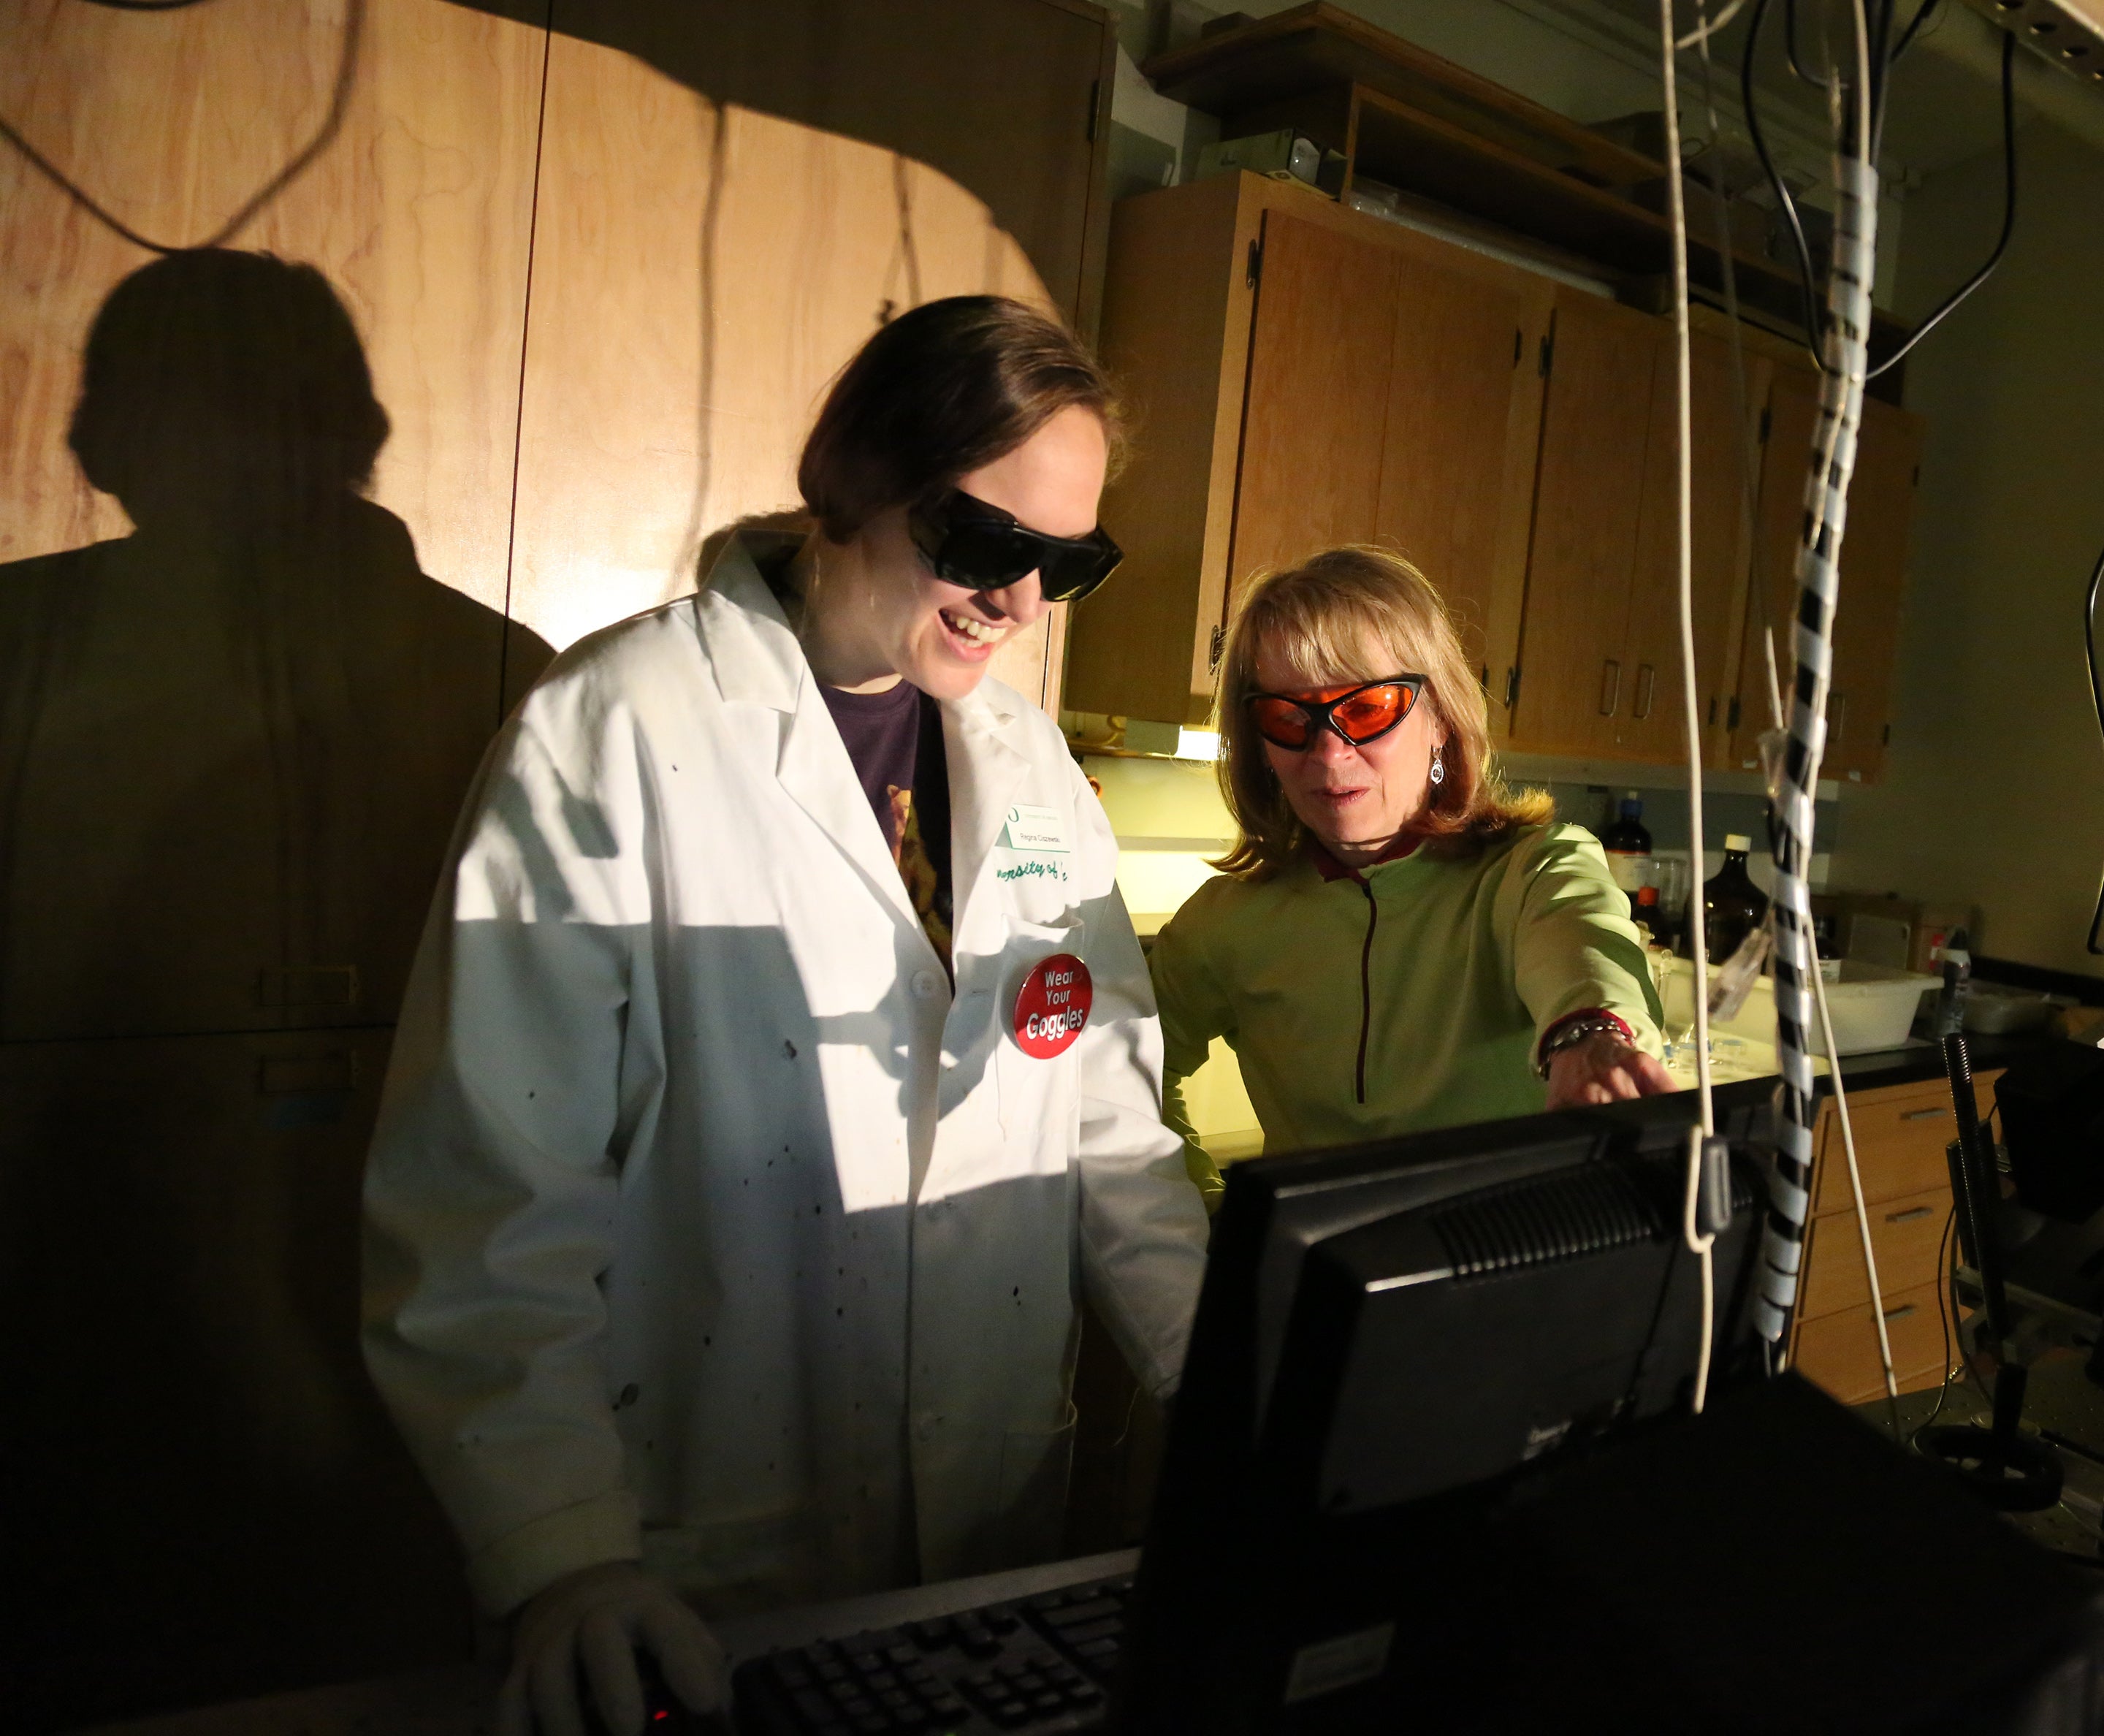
x=1794 y=785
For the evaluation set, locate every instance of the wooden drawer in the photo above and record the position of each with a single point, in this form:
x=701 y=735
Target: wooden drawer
x=1900 y=1132
x=1839 y=1352
x=1904 y=1235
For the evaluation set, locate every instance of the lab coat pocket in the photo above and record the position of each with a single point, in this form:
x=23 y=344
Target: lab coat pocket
x=1040 y=1103
x=1035 y=1468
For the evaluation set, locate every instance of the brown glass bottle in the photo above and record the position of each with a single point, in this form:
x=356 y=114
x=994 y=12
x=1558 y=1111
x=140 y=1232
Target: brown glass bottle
x=1732 y=906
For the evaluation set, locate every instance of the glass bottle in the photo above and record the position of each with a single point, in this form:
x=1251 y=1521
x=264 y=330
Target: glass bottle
x=1732 y=906
x=1628 y=845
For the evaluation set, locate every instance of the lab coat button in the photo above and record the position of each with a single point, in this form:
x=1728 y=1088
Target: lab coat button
x=925 y=984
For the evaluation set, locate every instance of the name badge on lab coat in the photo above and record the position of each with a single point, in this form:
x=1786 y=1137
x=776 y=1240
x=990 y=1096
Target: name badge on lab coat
x=1053 y=1006
x=1036 y=829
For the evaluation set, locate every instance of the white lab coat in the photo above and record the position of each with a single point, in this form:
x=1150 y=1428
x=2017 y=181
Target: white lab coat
x=705 y=1221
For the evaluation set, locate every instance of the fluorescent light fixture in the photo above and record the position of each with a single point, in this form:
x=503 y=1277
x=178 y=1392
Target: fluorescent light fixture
x=1197 y=744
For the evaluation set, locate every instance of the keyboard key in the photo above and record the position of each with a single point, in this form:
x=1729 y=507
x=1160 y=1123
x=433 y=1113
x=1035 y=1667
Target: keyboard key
x=831 y=1670
x=1111 y=1627
x=935 y=1633
x=948 y=1706
x=1096 y=1651
x=1008 y=1714
x=1048 y=1704
x=1083 y=1693
x=999 y=1618
x=1074 y=1614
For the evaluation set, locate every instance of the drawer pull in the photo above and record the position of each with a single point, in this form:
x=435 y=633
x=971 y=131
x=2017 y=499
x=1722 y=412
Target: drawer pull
x=1902 y=1311
x=1611 y=686
x=1912 y=1215
x=1926 y=1114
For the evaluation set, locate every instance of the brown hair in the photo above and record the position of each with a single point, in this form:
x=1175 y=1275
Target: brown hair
x=936 y=394
x=1327 y=617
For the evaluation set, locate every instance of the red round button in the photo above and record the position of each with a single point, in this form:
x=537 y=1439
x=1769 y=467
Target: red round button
x=1053 y=1006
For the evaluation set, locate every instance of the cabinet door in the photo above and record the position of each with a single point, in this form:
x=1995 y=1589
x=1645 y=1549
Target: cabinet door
x=1873 y=553
x=1318 y=389
x=1576 y=682
x=1724 y=441
x=1458 y=454
x=1867 y=621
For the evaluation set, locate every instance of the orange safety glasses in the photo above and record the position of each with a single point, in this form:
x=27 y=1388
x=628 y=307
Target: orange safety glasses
x=1355 y=715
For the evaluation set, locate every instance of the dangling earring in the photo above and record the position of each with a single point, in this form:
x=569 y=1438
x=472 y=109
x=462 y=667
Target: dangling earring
x=1438 y=773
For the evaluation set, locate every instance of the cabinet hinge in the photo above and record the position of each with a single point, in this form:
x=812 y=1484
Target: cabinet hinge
x=1216 y=646
x=1768 y=421
x=1255 y=261
x=1731 y=713
x=1548 y=360
x=1512 y=687
x=1095 y=109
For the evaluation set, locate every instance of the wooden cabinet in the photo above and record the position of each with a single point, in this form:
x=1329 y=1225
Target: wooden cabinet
x=1302 y=376
x=1901 y=1133
x=1599 y=660
x=1874 y=556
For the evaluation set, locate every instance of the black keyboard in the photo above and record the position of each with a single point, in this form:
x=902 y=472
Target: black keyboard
x=1042 y=1664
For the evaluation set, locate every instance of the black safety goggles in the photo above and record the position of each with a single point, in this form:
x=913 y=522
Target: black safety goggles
x=967 y=542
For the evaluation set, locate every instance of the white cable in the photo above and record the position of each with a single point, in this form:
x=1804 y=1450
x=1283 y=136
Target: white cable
x=1700 y=1244
x=1855 y=1176
x=1684 y=484
x=1698 y=947
x=1709 y=27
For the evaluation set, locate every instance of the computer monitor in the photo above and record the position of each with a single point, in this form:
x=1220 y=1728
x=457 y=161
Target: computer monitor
x=1387 y=1334
x=1431 y=1468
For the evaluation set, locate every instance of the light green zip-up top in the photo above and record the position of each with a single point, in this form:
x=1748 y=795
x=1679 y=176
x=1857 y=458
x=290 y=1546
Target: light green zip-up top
x=1407 y=996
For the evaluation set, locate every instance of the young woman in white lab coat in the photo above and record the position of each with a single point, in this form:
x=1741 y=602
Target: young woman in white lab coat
x=739 y=1170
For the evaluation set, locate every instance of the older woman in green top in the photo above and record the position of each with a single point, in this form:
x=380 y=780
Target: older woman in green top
x=1397 y=942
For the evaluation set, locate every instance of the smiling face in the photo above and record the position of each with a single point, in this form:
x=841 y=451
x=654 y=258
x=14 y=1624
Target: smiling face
x=878 y=613
x=1357 y=800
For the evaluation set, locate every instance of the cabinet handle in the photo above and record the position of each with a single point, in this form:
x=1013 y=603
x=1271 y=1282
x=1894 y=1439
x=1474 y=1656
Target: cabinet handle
x=1913 y=1215
x=1902 y=1312
x=1647 y=680
x=1837 y=718
x=1926 y=1114
x=1610 y=687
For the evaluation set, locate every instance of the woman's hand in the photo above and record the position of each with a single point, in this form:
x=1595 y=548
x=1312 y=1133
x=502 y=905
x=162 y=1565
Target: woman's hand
x=578 y=1639
x=1602 y=1069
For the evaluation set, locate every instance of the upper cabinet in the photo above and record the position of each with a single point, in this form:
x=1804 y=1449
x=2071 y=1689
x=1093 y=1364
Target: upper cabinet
x=1874 y=556
x=1301 y=377
x=1599 y=668
x=1303 y=374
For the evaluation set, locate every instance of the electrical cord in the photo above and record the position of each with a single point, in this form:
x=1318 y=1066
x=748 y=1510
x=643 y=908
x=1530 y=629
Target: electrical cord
x=1699 y=1244
x=2096 y=939
x=1789 y=47
x=1709 y=27
x=1950 y=301
x=1943 y=1279
x=1814 y=326
x=346 y=80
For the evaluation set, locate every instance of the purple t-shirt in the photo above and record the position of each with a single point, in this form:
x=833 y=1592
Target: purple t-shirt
x=895 y=740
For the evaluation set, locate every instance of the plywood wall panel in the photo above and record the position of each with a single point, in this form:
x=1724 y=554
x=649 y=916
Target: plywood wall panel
x=701 y=273
x=419 y=212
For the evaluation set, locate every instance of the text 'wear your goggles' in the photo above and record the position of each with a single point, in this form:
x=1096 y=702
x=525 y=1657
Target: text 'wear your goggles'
x=982 y=548
x=1355 y=715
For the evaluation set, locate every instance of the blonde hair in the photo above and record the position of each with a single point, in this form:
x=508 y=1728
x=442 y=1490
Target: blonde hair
x=1327 y=616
